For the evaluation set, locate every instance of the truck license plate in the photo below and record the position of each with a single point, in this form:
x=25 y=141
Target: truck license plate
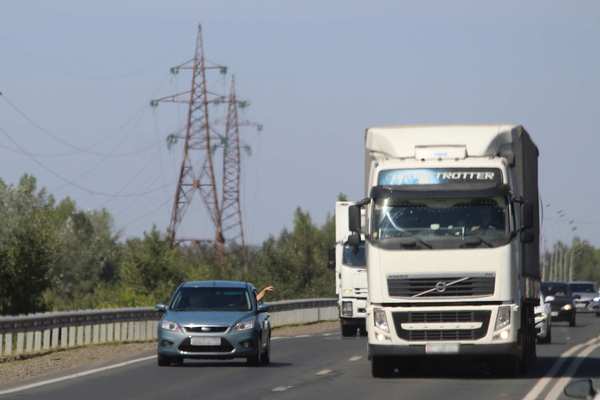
x=205 y=341
x=442 y=348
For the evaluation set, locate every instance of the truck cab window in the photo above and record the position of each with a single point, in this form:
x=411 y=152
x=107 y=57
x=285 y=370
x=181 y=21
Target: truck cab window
x=354 y=258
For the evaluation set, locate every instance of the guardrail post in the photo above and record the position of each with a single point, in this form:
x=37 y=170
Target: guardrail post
x=110 y=332
x=29 y=342
x=55 y=333
x=37 y=341
x=20 y=343
x=96 y=337
x=72 y=336
x=117 y=332
x=80 y=340
x=1 y=344
x=46 y=340
x=87 y=334
x=8 y=344
x=103 y=333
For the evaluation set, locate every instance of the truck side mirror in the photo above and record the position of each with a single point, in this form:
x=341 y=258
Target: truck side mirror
x=354 y=218
x=354 y=240
x=527 y=215
x=331 y=258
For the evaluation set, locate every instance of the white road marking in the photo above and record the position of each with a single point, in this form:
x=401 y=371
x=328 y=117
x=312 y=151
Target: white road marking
x=302 y=336
x=562 y=382
x=278 y=338
x=355 y=358
x=327 y=334
x=281 y=388
x=545 y=381
x=323 y=372
x=74 y=376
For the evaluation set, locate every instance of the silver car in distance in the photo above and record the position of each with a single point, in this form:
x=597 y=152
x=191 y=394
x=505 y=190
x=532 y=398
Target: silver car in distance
x=214 y=320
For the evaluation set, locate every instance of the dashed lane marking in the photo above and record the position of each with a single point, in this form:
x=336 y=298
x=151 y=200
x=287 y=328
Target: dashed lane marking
x=324 y=372
x=355 y=358
x=302 y=336
x=281 y=388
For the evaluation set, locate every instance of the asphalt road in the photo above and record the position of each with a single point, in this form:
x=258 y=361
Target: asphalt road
x=326 y=366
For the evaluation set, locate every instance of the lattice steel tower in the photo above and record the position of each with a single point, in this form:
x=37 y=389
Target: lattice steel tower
x=197 y=172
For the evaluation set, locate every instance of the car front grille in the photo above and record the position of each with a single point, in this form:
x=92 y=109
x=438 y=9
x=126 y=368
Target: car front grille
x=441 y=316
x=441 y=286
x=225 y=347
x=205 y=329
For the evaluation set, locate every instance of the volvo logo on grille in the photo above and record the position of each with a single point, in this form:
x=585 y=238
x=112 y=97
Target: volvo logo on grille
x=440 y=287
x=205 y=329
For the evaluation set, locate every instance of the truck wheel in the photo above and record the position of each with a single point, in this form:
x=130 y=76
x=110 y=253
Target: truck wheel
x=348 y=330
x=380 y=367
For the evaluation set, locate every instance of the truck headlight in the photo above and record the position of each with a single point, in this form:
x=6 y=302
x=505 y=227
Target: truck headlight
x=244 y=325
x=567 y=307
x=170 y=326
x=503 y=317
x=380 y=319
x=346 y=308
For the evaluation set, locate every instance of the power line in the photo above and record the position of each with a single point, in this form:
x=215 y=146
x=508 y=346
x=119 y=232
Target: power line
x=71 y=182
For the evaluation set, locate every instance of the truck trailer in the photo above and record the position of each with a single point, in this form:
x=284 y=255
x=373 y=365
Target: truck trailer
x=350 y=275
x=451 y=232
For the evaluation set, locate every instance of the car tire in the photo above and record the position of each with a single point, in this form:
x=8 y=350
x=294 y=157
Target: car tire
x=163 y=361
x=572 y=322
x=380 y=367
x=348 y=330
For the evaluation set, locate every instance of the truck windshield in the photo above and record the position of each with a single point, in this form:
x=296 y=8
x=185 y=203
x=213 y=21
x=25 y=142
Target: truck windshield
x=444 y=222
x=354 y=258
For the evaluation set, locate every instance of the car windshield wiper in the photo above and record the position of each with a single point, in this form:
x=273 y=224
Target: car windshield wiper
x=475 y=241
x=407 y=241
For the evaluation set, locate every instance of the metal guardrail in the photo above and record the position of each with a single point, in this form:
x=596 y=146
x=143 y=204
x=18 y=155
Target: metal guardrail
x=43 y=332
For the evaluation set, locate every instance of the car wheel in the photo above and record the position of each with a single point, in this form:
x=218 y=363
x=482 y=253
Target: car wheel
x=380 y=367
x=572 y=322
x=163 y=361
x=266 y=357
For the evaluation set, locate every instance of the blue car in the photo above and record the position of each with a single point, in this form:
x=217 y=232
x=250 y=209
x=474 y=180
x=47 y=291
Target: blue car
x=214 y=320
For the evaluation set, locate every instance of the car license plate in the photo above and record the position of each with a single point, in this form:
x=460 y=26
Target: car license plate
x=554 y=313
x=205 y=341
x=442 y=348
x=580 y=305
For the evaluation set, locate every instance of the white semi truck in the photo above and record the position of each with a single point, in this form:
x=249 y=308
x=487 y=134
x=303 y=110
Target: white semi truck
x=452 y=244
x=350 y=275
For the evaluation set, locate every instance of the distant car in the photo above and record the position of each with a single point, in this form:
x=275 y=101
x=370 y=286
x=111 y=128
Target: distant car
x=214 y=320
x=543 y=321
x=584 y=293
x=594 y=306
x=561 y=300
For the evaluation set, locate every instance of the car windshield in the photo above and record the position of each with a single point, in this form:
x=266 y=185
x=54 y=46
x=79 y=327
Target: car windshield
x=354 y=258
x=211 y=299
x=582 y=287
x=432 y=219
x=555 y=289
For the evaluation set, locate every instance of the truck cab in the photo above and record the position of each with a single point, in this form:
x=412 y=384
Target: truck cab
x=350 y=275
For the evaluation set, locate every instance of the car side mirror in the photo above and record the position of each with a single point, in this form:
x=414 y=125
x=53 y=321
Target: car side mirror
x=262 y=308
x=527 y=237
x=549 y=299
x=581 y=389
x=354 y=218
x=331 y=258
x=161 y=308
x=527 y=215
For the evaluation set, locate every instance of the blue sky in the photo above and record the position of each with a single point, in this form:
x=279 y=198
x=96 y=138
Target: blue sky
x=317 y=73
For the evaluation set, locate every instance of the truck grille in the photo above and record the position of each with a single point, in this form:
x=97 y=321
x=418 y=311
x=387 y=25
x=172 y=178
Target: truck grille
x=225 y=347
x=441 y=316
x=441 y=286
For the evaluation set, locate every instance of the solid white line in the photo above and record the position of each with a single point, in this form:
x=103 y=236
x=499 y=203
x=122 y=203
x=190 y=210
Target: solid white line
x=355 y=358
x=323 y=372
x=281 y=388
x=302 y=336
x=73 y=376
x=278 y=338
x=543 y=382
x=562 y=382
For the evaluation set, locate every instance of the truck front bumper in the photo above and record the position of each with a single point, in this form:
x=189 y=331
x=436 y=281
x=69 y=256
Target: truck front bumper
x=377 y=350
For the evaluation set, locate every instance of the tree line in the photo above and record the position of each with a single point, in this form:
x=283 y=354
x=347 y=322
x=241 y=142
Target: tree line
x=56 y=256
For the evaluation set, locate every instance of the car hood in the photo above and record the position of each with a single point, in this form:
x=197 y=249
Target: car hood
x=562 y=301
x=218 y=318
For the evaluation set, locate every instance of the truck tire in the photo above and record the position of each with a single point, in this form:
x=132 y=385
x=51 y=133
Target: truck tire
x=348 y=330
x=380 y=367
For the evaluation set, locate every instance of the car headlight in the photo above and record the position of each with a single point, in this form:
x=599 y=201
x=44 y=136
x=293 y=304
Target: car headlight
x=596 y=299
x=567 y=307
x=380 y=319
x=170 y=326
x=503 y=317
x=244 y=325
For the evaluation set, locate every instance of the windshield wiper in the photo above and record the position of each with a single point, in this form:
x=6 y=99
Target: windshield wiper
x=408 y=241
x=475 y=241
